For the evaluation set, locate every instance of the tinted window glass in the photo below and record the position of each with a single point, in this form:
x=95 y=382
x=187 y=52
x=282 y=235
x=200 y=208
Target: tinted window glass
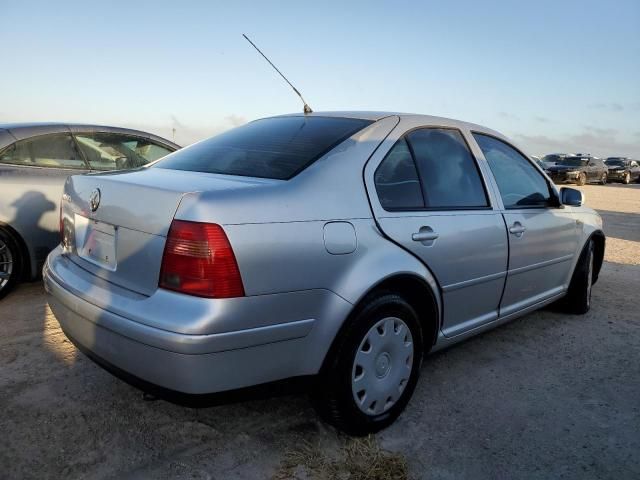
x=449 y=175
x=109 y=151
x=397 y=181
x=520 y=184
x=615 y=162
x=574 y=161
x=269 y=148
x=56 y=151
x=553 y=158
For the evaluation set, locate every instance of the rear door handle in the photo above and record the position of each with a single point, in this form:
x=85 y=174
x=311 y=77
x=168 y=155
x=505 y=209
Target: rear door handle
x=517 y=229
x=424 y=236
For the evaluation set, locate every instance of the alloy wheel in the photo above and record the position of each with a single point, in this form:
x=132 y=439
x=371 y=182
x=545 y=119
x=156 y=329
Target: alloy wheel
x=382 y=366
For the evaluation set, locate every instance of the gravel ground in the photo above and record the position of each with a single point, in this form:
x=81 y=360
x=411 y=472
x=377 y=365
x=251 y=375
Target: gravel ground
x=546 y=396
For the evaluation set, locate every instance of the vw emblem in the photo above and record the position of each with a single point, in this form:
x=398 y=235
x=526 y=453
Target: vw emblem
x=94 y=200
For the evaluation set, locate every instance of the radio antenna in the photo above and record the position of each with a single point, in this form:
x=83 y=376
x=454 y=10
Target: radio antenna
x=307 y=108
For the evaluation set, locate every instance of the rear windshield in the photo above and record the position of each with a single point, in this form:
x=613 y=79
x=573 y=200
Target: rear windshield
x=277 y=147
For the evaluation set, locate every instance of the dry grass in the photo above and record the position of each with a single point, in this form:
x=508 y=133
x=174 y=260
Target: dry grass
x=358 y=459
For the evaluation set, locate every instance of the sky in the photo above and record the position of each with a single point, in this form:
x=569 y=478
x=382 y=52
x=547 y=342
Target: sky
x=555 y=76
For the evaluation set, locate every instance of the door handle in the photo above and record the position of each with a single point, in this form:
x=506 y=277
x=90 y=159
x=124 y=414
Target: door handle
x=424 y=236
x=517 y=229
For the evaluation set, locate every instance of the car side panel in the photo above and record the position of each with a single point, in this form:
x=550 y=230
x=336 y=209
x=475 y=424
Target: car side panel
x=469 y=260
x=588 y=222
x=540 y=258
x=30 y=204
x=281 y=257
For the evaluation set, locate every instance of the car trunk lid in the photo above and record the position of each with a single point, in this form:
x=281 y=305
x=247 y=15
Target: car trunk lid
x=116 y=224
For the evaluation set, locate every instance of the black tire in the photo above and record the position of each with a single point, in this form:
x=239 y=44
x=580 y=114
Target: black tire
x=627 y=178
x=334 y=398
x=603 y=179
x=10 y=262
x=582 y=179
x=578 y=299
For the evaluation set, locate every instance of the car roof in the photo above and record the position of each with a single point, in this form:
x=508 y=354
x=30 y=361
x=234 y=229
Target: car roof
x=378 y=115
x=10 y=132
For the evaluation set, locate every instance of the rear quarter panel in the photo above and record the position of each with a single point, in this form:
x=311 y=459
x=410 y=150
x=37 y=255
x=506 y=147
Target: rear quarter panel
x=279 y=257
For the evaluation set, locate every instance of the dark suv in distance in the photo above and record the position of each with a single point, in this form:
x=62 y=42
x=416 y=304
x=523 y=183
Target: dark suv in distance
x=622 y=169
x=578 y=169
x=553 y=159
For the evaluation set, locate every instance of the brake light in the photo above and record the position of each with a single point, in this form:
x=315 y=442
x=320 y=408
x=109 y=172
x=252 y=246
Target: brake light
x=198 y=260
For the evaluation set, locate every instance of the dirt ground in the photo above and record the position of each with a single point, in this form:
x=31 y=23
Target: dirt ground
x=546 y=396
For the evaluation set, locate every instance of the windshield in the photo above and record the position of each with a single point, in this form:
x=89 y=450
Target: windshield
x=614 y=162
x=551 y=158
x=278 y=147
x=573 y=162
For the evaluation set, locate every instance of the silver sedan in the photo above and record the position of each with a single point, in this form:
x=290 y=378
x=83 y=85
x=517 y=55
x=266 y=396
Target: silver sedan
x=337 y=246
x=35 y=160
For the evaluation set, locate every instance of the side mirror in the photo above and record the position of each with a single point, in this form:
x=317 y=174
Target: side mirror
x=571 y=197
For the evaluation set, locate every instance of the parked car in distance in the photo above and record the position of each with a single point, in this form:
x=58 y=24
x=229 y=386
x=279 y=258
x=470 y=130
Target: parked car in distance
x=578 y=169
x=338 y=246
x=35 y=160
x=622 y=169
x=553 y=158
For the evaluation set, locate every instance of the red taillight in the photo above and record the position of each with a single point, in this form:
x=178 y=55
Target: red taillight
x=198 y=260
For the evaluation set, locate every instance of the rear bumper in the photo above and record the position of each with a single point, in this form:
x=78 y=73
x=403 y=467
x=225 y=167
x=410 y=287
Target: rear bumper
x=290 y=338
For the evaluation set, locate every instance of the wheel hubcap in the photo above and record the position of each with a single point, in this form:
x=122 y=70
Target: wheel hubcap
x=6 y=264
x=382 y=366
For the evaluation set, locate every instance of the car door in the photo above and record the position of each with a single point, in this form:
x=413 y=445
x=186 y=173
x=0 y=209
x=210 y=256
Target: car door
x=107 y=151
x=595 y=170
x=429 y=197
x=542 y=234
x=34 y=170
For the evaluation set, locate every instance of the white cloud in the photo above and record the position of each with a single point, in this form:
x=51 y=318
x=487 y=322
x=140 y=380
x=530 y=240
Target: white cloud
x=611 y=107
x=602 y=142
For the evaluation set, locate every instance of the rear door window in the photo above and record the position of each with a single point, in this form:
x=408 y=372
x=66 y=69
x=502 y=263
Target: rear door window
x=114 y=151
x=277 y=148
x=448 y=172
x=54 y=151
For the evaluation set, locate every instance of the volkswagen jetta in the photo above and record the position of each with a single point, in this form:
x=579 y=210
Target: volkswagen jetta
x=342 y=246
